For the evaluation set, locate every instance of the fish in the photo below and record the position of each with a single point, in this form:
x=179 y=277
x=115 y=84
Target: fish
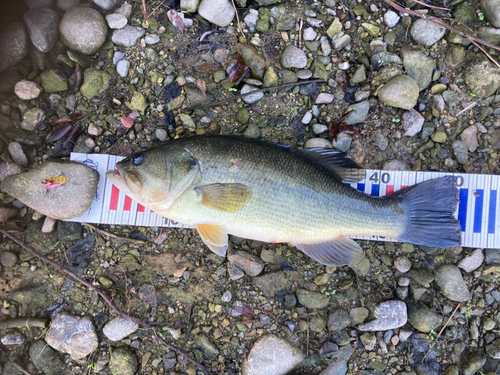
x=272 y=193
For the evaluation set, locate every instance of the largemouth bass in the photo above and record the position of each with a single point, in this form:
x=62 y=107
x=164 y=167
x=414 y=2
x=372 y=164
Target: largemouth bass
x=259 y=190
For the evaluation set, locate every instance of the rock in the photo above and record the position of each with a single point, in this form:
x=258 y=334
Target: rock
x=309 y=34
x=388 y=315
x=9 y=168
x=400 y=92
x=125 y=9
x=412 y=122
x=340 y=41
x=422 y=318
x=105 y=4
x=152 y=39
x=190 y=5
x=402 y=264
x=272 y=282
x=426 y=32
x=469 y=137
x=203 y=343
x=318 y=142
x=122 y=68
x=293 y=57
x=53 y=81
x=312 y=300
x=83 y=30
x=359 y=75
x=32 y=118
x=335 y=28
x=138 y=102
x=46 y=359
x=49 y=225
x=319 y=129
x=491 y=9
x=252 y=98
x=335 y=368
x=395 y=165
x=324 y=98
x=119 y=328
x=7 y=213
x=33 y=4
x=391 y=18
x=358 y=315
x=452 y=285
x=122 y=362
x=461 y=151
x=359 y=112
x=127 y=36
x=383 y=59
x=472 y=262
x=235 y=273
x=64 y=5
x=94 y=80
x=27 y=187
x=474 y=360
x=116 y=20
x=368 y=340
x=490 y=34
x=14 y=43
x=418 y=66
x=219 y=12
x=338 y=320
x=8 y=259
x=492 y=349
x=27 y=90
x=42 y=26
x=17 y=153
x=271 y=355
x=75 y=336
x=252 y=131
x=483 y=79
x=248 y=262
x=342 y=143
x=12 y=338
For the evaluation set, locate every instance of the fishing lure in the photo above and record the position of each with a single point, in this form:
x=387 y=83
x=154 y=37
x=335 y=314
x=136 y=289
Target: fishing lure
x=52 y=182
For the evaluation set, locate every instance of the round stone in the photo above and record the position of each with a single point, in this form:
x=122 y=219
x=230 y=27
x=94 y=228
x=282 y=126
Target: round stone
x=27 y=90
x=116 y=20
x=293 y=57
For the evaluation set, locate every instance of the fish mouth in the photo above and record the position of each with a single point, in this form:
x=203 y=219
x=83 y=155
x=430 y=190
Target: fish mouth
x=117 y=178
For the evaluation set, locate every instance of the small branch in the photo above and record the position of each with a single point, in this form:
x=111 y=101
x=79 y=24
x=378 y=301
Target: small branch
x=470 y=106
x=155 y=9
x=238 y=19
x=23 y=322
x=442 y=329
x=430 y=6
x=105 y=233
x=485 y=52
x=104 y=296
x=250 y=93
x=144 y=12
x=16 y=365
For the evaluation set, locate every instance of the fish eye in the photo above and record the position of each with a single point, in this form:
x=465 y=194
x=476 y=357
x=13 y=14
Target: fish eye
x=137 y=159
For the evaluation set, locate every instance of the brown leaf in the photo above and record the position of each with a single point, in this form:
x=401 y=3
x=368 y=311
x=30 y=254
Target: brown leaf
x=237 y=69
x=176 y=20
x=348 y=129
x=127 y=121
x=202 y=85
x=333 y=132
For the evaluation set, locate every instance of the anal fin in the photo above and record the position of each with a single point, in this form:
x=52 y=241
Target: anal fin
x=337 y=252
x=215 y=237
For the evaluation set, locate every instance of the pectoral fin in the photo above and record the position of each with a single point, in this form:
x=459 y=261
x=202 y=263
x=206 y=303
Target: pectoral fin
x=224 y=197
x=215 y=237
x=336 y=252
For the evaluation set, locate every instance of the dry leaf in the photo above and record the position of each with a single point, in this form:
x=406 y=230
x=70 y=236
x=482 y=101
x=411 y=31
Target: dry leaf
x=127 y=121
x=176 y=19
x=202 y=85
x=237 y=70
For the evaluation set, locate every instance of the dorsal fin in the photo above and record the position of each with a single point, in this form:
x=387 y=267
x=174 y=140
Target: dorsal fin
x=337 y=162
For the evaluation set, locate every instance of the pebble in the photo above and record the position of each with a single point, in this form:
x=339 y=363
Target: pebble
x=14 y=43
x=42 y=25
x=309 y=34
x=492 y=349
x=326 y=48
x=252 y=131
x=344 y=65
x=304 y=74
x=219 y=12
x=401 y=92
x=83 y=30
x=127 y=36
x=17 y=154
x=338 y=320
x=8 y=168
x=27 y=90
x=32 y=118
x=116 y=20
x=152 y=39
x=491 y=9
x=8 y=259
x=122 y=362
x=318 y=142
x=293 y=57
x=312 y=300
x=125 y=9
x=412 y=122
x=248 y=262
x=105 y=4
x=419 y=66
x=235 y=273
x=161 y=135
x=402 y=264
x=469 y=137
x=358 y=315
x=391 y=18
x=252 y=98
x=335 y=368
x=324 y=98
x=227 y=296
x=49 y=225
x=122 y=68
x=472 y=361
x=306 y=119
x=388 y=315
x=359 y=112
x=368 y=340
x=426 y=32
x=422 y=318
x=271 y=282
x=45 y=359
x=251 y=19
x=75 y=336
x=450 y=281
x=381 y=141
x=27 y=188
x=472 y=262
x=271 y=355
x=119 y=328
x=461 y=151
x=319 y=129
x=118 y=56
x=12 y=338
x=342 y=143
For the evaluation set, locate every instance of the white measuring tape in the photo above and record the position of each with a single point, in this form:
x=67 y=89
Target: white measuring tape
x=478 y=210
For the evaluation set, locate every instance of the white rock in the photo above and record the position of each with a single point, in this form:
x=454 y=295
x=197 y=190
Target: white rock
x=306 y=119
x=319 y=129
x=318 y=142
x=473 y=261
x=391 y=18
x=27 y=90
x=116 y=20
x=309 y=34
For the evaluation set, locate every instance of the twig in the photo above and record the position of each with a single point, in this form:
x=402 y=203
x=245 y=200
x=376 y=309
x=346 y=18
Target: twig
x=250 y=93
x=430 y=6
x=105 y=297
x=238 y=19
x=23 y=322
x=441 y=23
x=144 y=12
x=155 y=9
x=125 y=239
x=300 y=33
x=16 y=365
x=470 y=106
x=442 y=329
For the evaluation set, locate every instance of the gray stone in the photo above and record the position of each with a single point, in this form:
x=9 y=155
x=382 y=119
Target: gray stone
x=251 y=20
x=161 y=135
x=42 y=26
x=293 y=57
x=219 y=12
x=105 y=4
x=491 y=9
x=248 y=262
x=426 y=32
x=312 y=300
x=359 y=112
x=318 y=142
x=127 y=36
x=402 y=264
x=33 y=4
x=46 y=359
x=8 y=259
x=13 y=338
x=359 y=75
x=418 y=66
x=17 y=153
x=75 y=336
x=472 y=262
x=319 y=129
x=152 y=39
x=122 y=362
x=381 y=141
x=422 y=318
x=32 y=118
x=412 y=122
x=391 y=18
x=66 y=4
x=272 y=282
x=122 y=68
x=117 y=57
x=400 y=92
x=83 y=30
x=119 y=328
x=452 y=285
x=368 y=340
x=461 y=151
x=338 y=320
x=340 y=41
x=483 y=78
x=309 y=34
x=27 y=90
x=203 y=343
x=343 y=142
x=473 y=360
x=116 y=20
x=82 y=183
x=252 y=98
x=358 y=315
x=382 y=59
x=335 y=368
x=324 y=98
x=388 y=315
x=125 y=9
x=469 y=137
x=252 y=131
x=9 y=168
x=490 y=34
x=271 y=355
x=14 y=43
x=235 y=273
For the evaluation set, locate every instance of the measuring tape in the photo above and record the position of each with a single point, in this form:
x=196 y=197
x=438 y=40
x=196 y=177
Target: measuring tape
x=478 y=211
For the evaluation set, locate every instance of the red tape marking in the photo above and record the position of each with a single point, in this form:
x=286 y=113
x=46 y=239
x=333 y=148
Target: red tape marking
x=390 y=189
x=127 y=204
x=115 y=192
x=140 y=208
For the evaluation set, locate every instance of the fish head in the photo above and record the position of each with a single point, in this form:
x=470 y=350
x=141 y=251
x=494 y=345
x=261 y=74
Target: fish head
x=156 y=177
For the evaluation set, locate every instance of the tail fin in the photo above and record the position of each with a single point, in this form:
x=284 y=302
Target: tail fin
x=429 y=208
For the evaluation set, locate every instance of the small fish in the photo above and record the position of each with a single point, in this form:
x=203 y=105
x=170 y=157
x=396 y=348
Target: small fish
x=52 y=182
x=262 y=191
